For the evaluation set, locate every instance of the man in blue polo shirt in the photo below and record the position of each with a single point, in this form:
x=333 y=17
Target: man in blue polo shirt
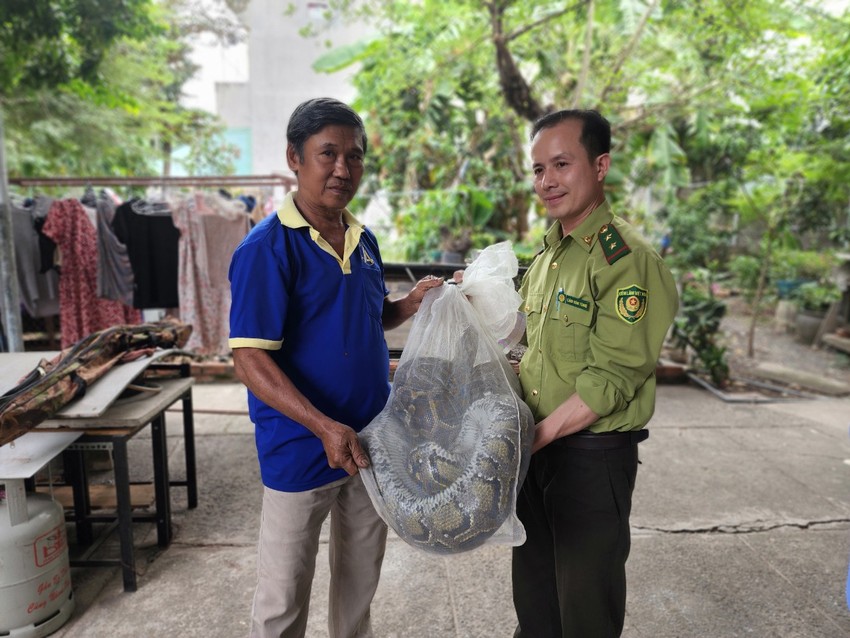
x=307 y=328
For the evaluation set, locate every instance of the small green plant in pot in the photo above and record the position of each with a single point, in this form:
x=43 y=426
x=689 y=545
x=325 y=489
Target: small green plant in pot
x=816 y=296
x=813 y=299
x=791 y=268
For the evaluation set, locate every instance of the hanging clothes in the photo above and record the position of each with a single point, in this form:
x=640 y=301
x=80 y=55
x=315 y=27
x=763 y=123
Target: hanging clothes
x=46 y=246
x=39 y=291
x=89 y=201
x=210 y=230
x=148 y=232
x=114 y=270
x=81 y=312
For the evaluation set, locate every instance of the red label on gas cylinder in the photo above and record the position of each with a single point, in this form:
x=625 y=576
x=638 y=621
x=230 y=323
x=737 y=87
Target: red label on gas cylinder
x=49 y=545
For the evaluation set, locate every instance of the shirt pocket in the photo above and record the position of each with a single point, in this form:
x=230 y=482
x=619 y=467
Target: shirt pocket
x=373 y=292
x=570 y=330
x=533 y=317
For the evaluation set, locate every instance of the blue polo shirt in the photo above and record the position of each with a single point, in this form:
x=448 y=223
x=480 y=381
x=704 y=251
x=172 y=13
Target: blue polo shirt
x=319 y=318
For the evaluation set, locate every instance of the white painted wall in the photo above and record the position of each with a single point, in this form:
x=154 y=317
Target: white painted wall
x=280 y=74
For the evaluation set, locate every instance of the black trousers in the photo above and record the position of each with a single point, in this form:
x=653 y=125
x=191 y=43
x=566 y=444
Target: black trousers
x=569 y=577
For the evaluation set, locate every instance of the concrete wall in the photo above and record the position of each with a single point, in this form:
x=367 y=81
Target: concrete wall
x=280 y=74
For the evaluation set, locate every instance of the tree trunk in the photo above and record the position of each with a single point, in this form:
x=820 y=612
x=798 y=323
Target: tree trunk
x=515 y=89
x=765 y=267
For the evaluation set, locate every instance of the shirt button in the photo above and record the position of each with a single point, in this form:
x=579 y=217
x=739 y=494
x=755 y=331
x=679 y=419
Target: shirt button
x=527 y=308
x=534 y=393
x=554 y=265
x=566 y=318
x=545 y=307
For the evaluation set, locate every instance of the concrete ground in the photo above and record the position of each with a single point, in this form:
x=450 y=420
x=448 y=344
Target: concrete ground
x=740 y=528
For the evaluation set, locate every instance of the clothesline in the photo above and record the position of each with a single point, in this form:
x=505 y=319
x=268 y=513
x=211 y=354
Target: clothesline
x=116 y=261
x=285 y=181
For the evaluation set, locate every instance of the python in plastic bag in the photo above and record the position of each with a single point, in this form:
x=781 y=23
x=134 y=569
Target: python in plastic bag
x=451 y=448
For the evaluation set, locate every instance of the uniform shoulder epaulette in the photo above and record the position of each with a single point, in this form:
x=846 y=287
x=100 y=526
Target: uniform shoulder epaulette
x=613 y=244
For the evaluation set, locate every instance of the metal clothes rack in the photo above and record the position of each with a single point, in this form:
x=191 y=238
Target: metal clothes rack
x=284 y=181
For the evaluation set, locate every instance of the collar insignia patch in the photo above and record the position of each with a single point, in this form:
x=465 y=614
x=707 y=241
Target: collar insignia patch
x=612 y=243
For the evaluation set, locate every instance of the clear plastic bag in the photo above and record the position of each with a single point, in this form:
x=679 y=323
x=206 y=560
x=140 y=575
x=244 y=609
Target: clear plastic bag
x=488 y=283
x=451 y=448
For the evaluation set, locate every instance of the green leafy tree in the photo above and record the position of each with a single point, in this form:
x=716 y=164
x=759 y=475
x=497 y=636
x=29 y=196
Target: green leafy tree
x=450 y=87
x=79 y=95
x=790 y=190
x=109 y=103
x=730 y=117
x=824 y=203
x=438 y=125
x=48 y=43
x=44 y=45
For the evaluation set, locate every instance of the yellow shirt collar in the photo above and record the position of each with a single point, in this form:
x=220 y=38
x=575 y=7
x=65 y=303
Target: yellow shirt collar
x=291 y=217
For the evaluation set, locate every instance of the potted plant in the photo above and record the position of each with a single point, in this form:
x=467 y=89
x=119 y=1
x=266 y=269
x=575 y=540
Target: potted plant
x=790 y=268
x=813 y=300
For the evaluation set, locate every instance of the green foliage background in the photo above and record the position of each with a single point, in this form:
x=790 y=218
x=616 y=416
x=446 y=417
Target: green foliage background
x=729 y=117
x=93 y=87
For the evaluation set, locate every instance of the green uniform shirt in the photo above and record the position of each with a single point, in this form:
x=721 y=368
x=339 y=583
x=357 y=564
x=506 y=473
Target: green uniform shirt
x=599 y=303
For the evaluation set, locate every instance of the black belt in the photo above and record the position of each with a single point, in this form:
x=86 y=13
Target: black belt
x=603 y=440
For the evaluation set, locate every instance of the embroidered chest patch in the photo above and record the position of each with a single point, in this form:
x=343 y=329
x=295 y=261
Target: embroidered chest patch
x=631 y=303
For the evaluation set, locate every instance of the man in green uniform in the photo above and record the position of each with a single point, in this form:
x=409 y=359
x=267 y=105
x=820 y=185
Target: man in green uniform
x=599 y=301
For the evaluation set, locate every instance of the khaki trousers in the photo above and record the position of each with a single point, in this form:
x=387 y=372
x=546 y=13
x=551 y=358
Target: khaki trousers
x=286 y=560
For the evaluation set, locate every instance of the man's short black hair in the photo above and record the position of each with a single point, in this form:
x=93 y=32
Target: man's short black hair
x=312 y=116
x=595 y=130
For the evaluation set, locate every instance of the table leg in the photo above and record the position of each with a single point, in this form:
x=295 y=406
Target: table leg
x=161 y=480
x=125 y=513
x=74 y=467
x=189 y=446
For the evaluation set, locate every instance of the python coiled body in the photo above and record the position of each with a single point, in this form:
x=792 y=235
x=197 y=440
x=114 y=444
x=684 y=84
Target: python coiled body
x=449 y=450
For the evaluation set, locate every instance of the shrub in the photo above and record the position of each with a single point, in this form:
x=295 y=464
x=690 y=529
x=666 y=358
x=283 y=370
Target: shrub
x=816 y=296
x=697 y=325
x=745 y=270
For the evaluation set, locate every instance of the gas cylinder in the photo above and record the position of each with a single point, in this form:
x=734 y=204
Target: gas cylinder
x=35 y=575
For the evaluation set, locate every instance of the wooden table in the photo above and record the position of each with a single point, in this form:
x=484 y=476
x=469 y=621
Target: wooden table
x=110 y=428
x=112 y=431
